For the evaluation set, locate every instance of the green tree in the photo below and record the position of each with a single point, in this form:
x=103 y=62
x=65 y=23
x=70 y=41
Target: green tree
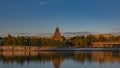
x=21 y=41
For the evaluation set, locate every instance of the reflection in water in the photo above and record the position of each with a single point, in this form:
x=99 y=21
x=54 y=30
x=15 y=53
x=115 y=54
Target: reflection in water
x=20 y=57
x=57 y=62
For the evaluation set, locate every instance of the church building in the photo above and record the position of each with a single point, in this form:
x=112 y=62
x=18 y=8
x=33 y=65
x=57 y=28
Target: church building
x=57 y=35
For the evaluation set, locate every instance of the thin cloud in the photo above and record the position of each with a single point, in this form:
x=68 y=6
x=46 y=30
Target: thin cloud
x=43 y=3
x=117 y=29
x=23 y=33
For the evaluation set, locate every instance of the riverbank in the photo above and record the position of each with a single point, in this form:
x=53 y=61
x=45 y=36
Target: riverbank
x=81 y=49
x=37 y=48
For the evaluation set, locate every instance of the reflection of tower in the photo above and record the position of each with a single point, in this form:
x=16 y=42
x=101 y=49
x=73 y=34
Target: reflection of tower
x=57 y=35
x=57 y=62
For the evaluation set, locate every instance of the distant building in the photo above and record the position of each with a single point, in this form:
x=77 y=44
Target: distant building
x=57 y=35
x=103 y=35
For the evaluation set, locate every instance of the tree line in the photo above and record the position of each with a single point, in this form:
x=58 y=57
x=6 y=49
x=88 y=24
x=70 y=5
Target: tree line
x=23 y=41
x=77 y=41
x=82 y=41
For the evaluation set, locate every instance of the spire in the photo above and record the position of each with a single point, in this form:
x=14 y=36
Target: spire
x=57 y=35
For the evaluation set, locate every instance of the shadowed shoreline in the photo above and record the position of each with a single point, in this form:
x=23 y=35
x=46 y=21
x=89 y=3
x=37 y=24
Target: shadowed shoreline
x=37 y=48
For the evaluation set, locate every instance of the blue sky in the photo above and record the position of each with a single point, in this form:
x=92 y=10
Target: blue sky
x=42 y=16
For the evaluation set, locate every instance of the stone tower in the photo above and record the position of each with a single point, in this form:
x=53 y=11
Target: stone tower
x=57 y=35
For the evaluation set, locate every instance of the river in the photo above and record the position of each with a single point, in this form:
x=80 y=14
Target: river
x=60 y=59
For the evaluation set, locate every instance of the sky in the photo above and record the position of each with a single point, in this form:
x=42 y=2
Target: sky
x=43 y=16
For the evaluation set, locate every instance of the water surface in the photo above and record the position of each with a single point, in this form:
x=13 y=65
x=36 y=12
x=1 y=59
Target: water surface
x=64 y=59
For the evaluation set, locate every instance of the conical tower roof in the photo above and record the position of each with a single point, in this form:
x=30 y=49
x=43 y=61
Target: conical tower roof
x=57 y=35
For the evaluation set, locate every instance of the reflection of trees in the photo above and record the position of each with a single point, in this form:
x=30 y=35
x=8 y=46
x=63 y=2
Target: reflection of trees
x=58 y=57
x=106 y=57
x=79 y=57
